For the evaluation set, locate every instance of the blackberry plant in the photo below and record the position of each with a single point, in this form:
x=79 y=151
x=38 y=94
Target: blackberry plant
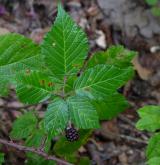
x=78 y=95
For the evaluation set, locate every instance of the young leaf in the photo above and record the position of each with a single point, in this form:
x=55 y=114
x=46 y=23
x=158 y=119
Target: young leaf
x=65 y=46
x=1 y=158
x=102 y=80
x=34 y=87
x=153 y=149
x=115 y=55
x=82 y=113
x=17 y=53
x=154 y=161
x=56 y=117
x=64 y=147
x=150 y=118
x=24 y=126
x=110 y=107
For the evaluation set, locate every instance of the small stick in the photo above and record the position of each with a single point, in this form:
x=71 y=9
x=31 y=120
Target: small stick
x=34 y=150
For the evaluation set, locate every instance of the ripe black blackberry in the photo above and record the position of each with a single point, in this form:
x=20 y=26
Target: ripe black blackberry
x=71 y=134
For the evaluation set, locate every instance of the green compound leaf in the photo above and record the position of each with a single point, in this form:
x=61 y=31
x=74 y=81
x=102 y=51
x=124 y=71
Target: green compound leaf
x=1 y=158
x=110 y=107
x=150 y=118
x=17 y=53
x=153 y=149
x=65 y=46
x=154 y=161
x=34 y=87
x=115 y=55
x=64 y=148
x=24 y=126
x=102 y=80
x=82 y=113
x=56 y=117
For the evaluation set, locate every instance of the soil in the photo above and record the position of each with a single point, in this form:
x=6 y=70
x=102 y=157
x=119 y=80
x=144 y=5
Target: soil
x=106 y=22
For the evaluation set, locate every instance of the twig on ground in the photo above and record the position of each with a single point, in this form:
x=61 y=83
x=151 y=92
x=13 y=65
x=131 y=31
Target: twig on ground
x=130 y=138
x=125 y=119
x=94 y=154
x=34 y=150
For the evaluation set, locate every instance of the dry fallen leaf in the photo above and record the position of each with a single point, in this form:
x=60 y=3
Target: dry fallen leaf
x=101 y=40
x=144 y=73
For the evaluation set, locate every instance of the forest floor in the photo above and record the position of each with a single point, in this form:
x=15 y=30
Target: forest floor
x=106 y=22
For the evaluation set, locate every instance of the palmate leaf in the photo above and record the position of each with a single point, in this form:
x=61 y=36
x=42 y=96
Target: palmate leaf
x=63 y=147
x=17 y=53
x=110 y=107
x=34 y=87
x=56 y=117
x=65 y=46
x=82 y=113
x=150 y=118
x=24 y=126
x=102 y=80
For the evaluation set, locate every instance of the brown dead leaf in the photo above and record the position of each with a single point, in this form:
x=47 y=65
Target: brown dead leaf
x=144 y=73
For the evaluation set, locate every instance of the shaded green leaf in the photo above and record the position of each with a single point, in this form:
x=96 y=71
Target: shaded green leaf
x=153 y=149
x=35 y=139
x=65 y=46
x=34 y=159
x=34 y=87
x=1 y=158
x=150 y=118
x=24 y=126
x=56 y=117
x=63 y=147
x=115 y=55
x=102 y=80
x=156 y=11
x=111 y=106
x=84 y=161
x=82 y=113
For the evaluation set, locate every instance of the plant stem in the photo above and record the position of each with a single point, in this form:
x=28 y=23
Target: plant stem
x=64 y=84
x=34 y=150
